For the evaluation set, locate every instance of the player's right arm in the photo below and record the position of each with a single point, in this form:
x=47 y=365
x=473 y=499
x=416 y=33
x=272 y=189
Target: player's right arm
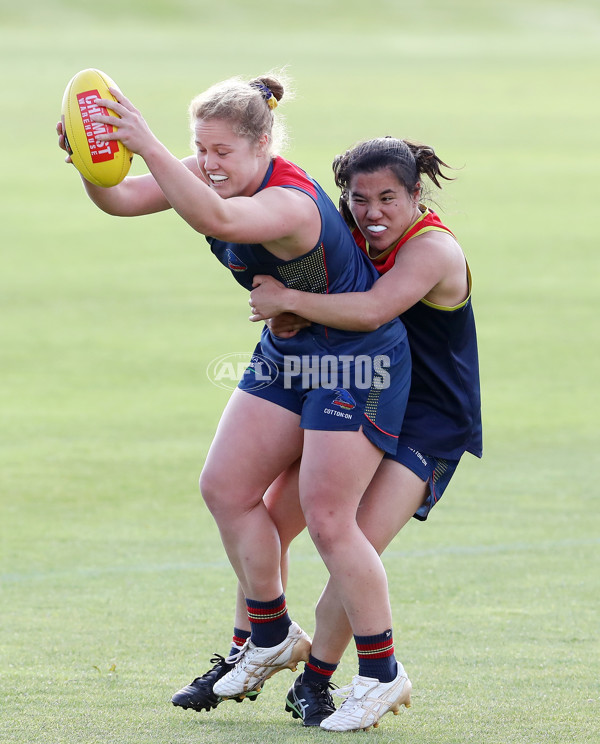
x=134 y=196
x=430 y=266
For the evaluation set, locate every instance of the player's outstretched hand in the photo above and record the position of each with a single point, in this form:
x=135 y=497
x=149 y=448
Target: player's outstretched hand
x=131 y=128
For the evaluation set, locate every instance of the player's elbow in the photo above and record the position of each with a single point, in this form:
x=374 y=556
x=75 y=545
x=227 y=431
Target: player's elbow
x=114 y=210
x=366 y=326
x=107 y=199
x=372 y=318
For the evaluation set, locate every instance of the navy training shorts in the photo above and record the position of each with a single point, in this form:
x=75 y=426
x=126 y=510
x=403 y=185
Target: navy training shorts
x=338 y=392
x=435 y=471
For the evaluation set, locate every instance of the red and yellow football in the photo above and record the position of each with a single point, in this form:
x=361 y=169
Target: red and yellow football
x=102 y=163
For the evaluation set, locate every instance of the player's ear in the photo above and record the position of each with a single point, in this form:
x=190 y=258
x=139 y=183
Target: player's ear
x=263 y=144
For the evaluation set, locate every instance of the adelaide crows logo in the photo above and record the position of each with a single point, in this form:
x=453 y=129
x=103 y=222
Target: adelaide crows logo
x=234 y=262
x=343 y=399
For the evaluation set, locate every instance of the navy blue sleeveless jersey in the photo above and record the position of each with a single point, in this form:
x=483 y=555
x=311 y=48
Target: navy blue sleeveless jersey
x=443 y=413
x=334 y=265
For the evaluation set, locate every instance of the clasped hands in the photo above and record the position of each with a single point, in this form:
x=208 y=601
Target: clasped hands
x=267 y=303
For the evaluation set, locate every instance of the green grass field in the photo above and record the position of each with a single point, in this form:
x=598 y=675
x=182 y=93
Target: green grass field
x=114 y=588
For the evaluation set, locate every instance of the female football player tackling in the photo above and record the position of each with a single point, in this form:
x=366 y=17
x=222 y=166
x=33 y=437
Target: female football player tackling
x=263 y=215
x=426 y=281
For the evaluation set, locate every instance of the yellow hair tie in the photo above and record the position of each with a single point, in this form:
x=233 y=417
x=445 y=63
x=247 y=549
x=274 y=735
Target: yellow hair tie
x=272 y=102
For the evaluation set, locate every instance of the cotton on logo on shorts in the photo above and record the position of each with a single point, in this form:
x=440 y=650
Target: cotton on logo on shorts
x=226 y=370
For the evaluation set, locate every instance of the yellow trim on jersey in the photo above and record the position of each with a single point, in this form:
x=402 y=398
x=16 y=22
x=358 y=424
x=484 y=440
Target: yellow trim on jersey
x=456 y=307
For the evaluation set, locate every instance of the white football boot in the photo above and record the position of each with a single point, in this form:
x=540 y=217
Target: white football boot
x=256 y=664
x=367 y=701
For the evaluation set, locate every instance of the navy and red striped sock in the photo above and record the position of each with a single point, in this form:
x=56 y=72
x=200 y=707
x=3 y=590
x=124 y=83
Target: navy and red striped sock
x=318 y=671
x=376 y=656
x=269 y=621
x=239 y=638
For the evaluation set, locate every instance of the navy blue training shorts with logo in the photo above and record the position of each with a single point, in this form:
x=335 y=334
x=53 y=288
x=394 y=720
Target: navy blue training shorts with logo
x=338 y=392
x=435 y=471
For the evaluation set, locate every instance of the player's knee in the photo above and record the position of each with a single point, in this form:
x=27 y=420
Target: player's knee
x=227 y=497
x=214 y=490
x=324 y=528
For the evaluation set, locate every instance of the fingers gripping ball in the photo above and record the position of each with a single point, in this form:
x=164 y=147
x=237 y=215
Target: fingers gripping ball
x=102 y=163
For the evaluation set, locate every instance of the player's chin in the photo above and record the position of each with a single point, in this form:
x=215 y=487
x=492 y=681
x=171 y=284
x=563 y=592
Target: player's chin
x=378 y=239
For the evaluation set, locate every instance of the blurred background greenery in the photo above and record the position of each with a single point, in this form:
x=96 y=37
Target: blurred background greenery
x=114 y=585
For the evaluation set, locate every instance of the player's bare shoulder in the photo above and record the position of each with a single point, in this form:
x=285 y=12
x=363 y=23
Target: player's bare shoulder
x=446 y=258
x=295 y=216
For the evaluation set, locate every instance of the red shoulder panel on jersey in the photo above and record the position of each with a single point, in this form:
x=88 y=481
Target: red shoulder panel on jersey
x=385 y=261
x=286 y=173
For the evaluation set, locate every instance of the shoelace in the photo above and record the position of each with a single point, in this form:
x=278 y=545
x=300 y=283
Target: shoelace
x=347 y=692
x=344 y=692
x=216 y=660
x=239 y=658
x=234 y=658
x=322 y=693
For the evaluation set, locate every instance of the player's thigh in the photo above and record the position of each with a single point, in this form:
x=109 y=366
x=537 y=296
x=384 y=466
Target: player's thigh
x=391 y=499
x=335 y=470
x=255 y=441
x=283 y=504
